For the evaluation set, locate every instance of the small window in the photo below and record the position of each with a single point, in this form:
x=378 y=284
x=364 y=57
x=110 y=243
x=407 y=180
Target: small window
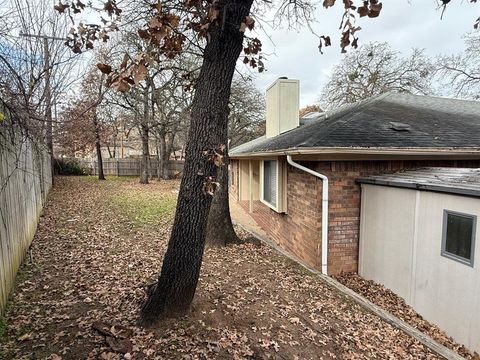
x=459 y=236
x=270 y=182
x=273 y=184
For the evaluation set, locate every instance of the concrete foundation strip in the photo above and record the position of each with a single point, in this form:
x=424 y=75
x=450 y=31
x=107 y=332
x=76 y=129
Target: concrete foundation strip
x=433 y=345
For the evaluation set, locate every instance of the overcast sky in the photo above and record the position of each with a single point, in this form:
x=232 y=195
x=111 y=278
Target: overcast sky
x=404 y=24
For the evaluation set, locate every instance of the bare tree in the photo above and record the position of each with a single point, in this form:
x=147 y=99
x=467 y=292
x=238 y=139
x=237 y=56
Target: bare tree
x=373 y=69
x=35 y=67
x=222 y=27
x=173 y=104
x=461 y=73
x=247 y=111
x=138 y=104
x=82 y=126
x=26 y=74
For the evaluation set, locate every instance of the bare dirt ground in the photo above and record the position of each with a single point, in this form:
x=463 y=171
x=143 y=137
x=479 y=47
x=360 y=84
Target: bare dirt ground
x=99 y=243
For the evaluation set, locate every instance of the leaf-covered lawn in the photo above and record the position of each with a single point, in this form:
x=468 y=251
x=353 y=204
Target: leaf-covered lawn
x=99 y=243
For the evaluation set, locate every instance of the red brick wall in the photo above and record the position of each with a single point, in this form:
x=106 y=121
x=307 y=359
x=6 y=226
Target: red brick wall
x=299 y=231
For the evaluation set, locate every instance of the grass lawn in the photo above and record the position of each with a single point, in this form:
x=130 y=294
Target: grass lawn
x=99 y=243
x=144 y=208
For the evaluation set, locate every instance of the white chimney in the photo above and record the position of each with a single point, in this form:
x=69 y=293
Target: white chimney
x=283 y=105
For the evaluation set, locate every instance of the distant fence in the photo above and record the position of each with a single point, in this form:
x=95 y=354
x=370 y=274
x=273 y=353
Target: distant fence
x=131 y=167
x=25 y=180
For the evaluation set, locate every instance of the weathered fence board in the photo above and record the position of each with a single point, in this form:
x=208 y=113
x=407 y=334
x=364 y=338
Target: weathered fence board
x=131 y=167
x=25 y=179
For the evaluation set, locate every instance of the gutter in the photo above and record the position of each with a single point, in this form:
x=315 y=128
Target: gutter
x=324 y=210
x=414 y=151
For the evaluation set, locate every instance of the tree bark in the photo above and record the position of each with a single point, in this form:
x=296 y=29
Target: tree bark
x=157 y=146
x=220 y=230
x=168 y=151
x=144 y=163
x=162 y=156
x=98 y=147
x=145 y=155
x=178 y=279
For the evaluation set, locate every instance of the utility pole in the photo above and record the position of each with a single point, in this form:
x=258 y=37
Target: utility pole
x=48 y=103
x=48 y=92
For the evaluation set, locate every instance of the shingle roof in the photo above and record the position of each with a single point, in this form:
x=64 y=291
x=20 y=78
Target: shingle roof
x=446 y=180
x=390 y=120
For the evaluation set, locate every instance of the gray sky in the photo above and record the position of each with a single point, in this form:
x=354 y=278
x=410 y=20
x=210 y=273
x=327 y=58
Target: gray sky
x=404 y=24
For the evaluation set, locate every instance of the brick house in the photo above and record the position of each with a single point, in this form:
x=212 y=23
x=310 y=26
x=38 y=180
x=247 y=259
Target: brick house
x=301 y=166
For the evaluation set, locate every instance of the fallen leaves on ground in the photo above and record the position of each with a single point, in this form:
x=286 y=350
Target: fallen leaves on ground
x=80 y=298
x=394 y=304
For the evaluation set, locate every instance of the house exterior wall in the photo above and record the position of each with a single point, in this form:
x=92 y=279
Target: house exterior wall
x=233 y=183
x=385 y=218
x=401 y=240
x=243 y=180
x=299 y=229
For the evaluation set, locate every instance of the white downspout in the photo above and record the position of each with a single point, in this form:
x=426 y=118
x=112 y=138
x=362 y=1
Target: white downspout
x=324 y=210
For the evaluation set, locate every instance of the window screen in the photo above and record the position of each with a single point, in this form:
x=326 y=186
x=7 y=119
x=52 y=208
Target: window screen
x=458 y=236
x=270 y=182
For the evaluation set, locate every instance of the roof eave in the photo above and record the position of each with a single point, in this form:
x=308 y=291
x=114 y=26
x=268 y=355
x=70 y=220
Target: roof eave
x=420 y=151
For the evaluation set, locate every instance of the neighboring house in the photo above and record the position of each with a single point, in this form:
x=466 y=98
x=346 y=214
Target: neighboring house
x=122 y=151
x=419 y=236
x=124 y=145
x=281 y=178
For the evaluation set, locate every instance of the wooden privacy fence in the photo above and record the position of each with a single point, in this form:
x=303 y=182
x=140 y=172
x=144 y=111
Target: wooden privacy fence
x=131 y=167
x=25 y=179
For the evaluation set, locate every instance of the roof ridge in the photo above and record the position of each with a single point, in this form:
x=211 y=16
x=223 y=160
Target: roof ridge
x=438 y=97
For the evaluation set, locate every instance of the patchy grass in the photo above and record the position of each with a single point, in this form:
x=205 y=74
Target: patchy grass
x=110 y=178
x=144 y=208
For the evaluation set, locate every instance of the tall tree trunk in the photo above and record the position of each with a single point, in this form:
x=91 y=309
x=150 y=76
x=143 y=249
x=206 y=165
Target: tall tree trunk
x=178 y=280
x=115 y=146
x=220 y=227
x=144 y=164
x=109 y=152
x=169 y=147
x=157 y=146
x=98 y=147
x=162 y=156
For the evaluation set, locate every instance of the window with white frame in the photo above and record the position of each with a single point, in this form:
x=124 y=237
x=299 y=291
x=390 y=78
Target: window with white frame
x=458 y=238
x=270 y=182
x=273 y=184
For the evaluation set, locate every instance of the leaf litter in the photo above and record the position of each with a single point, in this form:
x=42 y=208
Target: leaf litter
x=80 y=298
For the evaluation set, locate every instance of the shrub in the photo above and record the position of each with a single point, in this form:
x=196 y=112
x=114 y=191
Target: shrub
x=73 y=167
